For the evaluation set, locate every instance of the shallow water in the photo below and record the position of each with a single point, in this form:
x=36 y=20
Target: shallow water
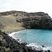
x=38 y=36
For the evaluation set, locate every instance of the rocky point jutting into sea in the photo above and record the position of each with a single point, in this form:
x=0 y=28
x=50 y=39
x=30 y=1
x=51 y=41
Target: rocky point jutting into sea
x=12 y=21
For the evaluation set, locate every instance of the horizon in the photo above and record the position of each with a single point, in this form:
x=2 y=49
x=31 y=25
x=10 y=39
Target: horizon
x=27 y=6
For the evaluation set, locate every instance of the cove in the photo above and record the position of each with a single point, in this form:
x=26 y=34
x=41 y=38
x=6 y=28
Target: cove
x=38 y=36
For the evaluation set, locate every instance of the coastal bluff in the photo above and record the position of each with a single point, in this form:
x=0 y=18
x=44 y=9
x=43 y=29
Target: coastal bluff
x=12 y=21
x=17 y=20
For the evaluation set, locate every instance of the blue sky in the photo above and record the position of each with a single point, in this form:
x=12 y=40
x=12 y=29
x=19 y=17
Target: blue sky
x=27 y=5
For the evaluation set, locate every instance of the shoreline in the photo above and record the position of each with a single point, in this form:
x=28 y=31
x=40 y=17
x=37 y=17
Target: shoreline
x=39 y=47
x=15 y=31
x=32 y=45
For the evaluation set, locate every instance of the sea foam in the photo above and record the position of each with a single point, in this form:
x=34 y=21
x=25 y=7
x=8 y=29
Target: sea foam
x=39 y=47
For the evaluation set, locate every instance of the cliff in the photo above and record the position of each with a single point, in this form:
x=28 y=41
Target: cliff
x=16 y=20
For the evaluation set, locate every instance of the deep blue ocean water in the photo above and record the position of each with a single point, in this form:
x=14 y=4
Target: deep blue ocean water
x=39 y=36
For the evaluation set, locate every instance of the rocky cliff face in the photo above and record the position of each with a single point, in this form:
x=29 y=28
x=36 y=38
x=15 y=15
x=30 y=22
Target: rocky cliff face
x=17 y=20
x=34 y=20
x=38 y=20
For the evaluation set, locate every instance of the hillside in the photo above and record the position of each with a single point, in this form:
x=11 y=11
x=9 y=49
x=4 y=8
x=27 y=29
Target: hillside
x=17 y=20
x=8 y=23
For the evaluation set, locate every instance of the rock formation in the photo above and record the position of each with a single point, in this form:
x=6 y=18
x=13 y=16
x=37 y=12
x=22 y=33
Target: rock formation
x=35 y=20
x=20 y=20
x=16 y=20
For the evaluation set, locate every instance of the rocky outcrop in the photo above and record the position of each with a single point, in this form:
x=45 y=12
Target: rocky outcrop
x=35 y=20
x=8 y=44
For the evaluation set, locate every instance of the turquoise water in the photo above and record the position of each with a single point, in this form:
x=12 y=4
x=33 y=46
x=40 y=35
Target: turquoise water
x=42 y=37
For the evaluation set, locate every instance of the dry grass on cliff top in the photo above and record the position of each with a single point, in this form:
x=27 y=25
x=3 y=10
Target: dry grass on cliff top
x=10 y=23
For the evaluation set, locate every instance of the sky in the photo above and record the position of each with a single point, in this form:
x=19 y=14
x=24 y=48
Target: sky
x=27 y=5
